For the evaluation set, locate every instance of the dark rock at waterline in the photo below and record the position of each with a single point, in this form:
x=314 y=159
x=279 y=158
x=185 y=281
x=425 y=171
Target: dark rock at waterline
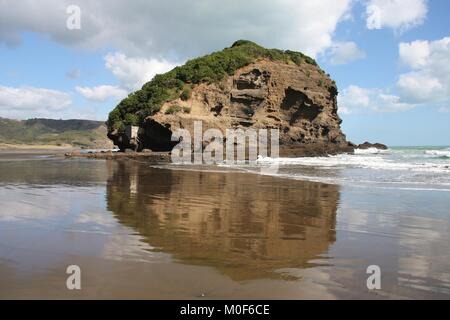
x=368 y=145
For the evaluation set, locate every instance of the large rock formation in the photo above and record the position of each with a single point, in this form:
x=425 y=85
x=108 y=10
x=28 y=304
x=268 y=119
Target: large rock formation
x=297 y=97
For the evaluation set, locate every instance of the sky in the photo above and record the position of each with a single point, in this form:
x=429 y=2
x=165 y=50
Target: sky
x=78 y=58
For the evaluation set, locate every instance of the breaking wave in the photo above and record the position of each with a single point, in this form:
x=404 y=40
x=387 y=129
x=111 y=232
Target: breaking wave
x=369 y=151
x=358 y=161
x=441 y=153
x=400 y=168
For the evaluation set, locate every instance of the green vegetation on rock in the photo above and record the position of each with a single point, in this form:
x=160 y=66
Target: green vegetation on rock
x=186 y=109
x=185 y=94
x=177 y=83
x=173 y=109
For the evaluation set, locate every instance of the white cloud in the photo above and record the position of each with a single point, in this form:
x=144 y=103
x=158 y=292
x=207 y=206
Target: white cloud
x=354 y=96
x=395 y=14
x=102 y=93
x=134 y=72
x=414 y=54
x=427 y=81
x=345 y=52
x=178 y=29
x=354 y=99
x=429 y=77
x=390 y=103
x=420 y=87
x=31 y=102
x=29 y=98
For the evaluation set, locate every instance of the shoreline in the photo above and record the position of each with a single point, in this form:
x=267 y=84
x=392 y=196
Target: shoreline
x=5 y=147
x=161 y=157
x=381 y=173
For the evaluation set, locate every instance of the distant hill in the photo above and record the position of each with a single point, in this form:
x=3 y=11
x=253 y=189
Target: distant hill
x=76 y=133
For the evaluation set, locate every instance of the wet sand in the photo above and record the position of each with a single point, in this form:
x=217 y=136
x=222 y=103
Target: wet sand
x=149 y=233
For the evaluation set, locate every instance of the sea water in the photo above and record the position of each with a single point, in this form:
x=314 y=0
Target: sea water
x=398 y=167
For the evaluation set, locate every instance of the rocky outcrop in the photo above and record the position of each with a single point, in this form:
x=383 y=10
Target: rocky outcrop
x=299 y=100
x=368 y=145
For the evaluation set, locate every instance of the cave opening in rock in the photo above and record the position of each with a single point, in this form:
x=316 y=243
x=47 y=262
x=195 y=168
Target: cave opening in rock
x=157 y=137
x=254 y=79
x=303 y=107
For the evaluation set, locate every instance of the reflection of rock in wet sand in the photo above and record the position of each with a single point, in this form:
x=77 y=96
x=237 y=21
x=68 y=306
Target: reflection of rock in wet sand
x=245 y=225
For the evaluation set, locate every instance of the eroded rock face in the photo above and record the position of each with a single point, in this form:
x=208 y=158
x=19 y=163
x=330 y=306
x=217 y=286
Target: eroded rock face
x=298 y=100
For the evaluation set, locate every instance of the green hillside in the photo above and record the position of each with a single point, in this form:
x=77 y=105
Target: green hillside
x=179 y=81
x=78 y=133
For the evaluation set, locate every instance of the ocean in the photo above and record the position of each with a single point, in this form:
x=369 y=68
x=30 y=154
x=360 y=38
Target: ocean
x=423 y=167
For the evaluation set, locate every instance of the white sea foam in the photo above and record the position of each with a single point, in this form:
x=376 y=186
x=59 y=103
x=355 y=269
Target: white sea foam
x=441 y=153
x=359 y=161
x=398 y=168
x=370 y=151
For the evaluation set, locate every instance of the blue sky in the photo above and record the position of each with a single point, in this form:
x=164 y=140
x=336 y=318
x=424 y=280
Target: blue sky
x=390 y=58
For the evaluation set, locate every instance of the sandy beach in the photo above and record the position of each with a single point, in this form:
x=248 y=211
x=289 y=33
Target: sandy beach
x=140 y=231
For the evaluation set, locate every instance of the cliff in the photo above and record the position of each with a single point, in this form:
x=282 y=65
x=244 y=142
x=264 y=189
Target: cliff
x=244 y=86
